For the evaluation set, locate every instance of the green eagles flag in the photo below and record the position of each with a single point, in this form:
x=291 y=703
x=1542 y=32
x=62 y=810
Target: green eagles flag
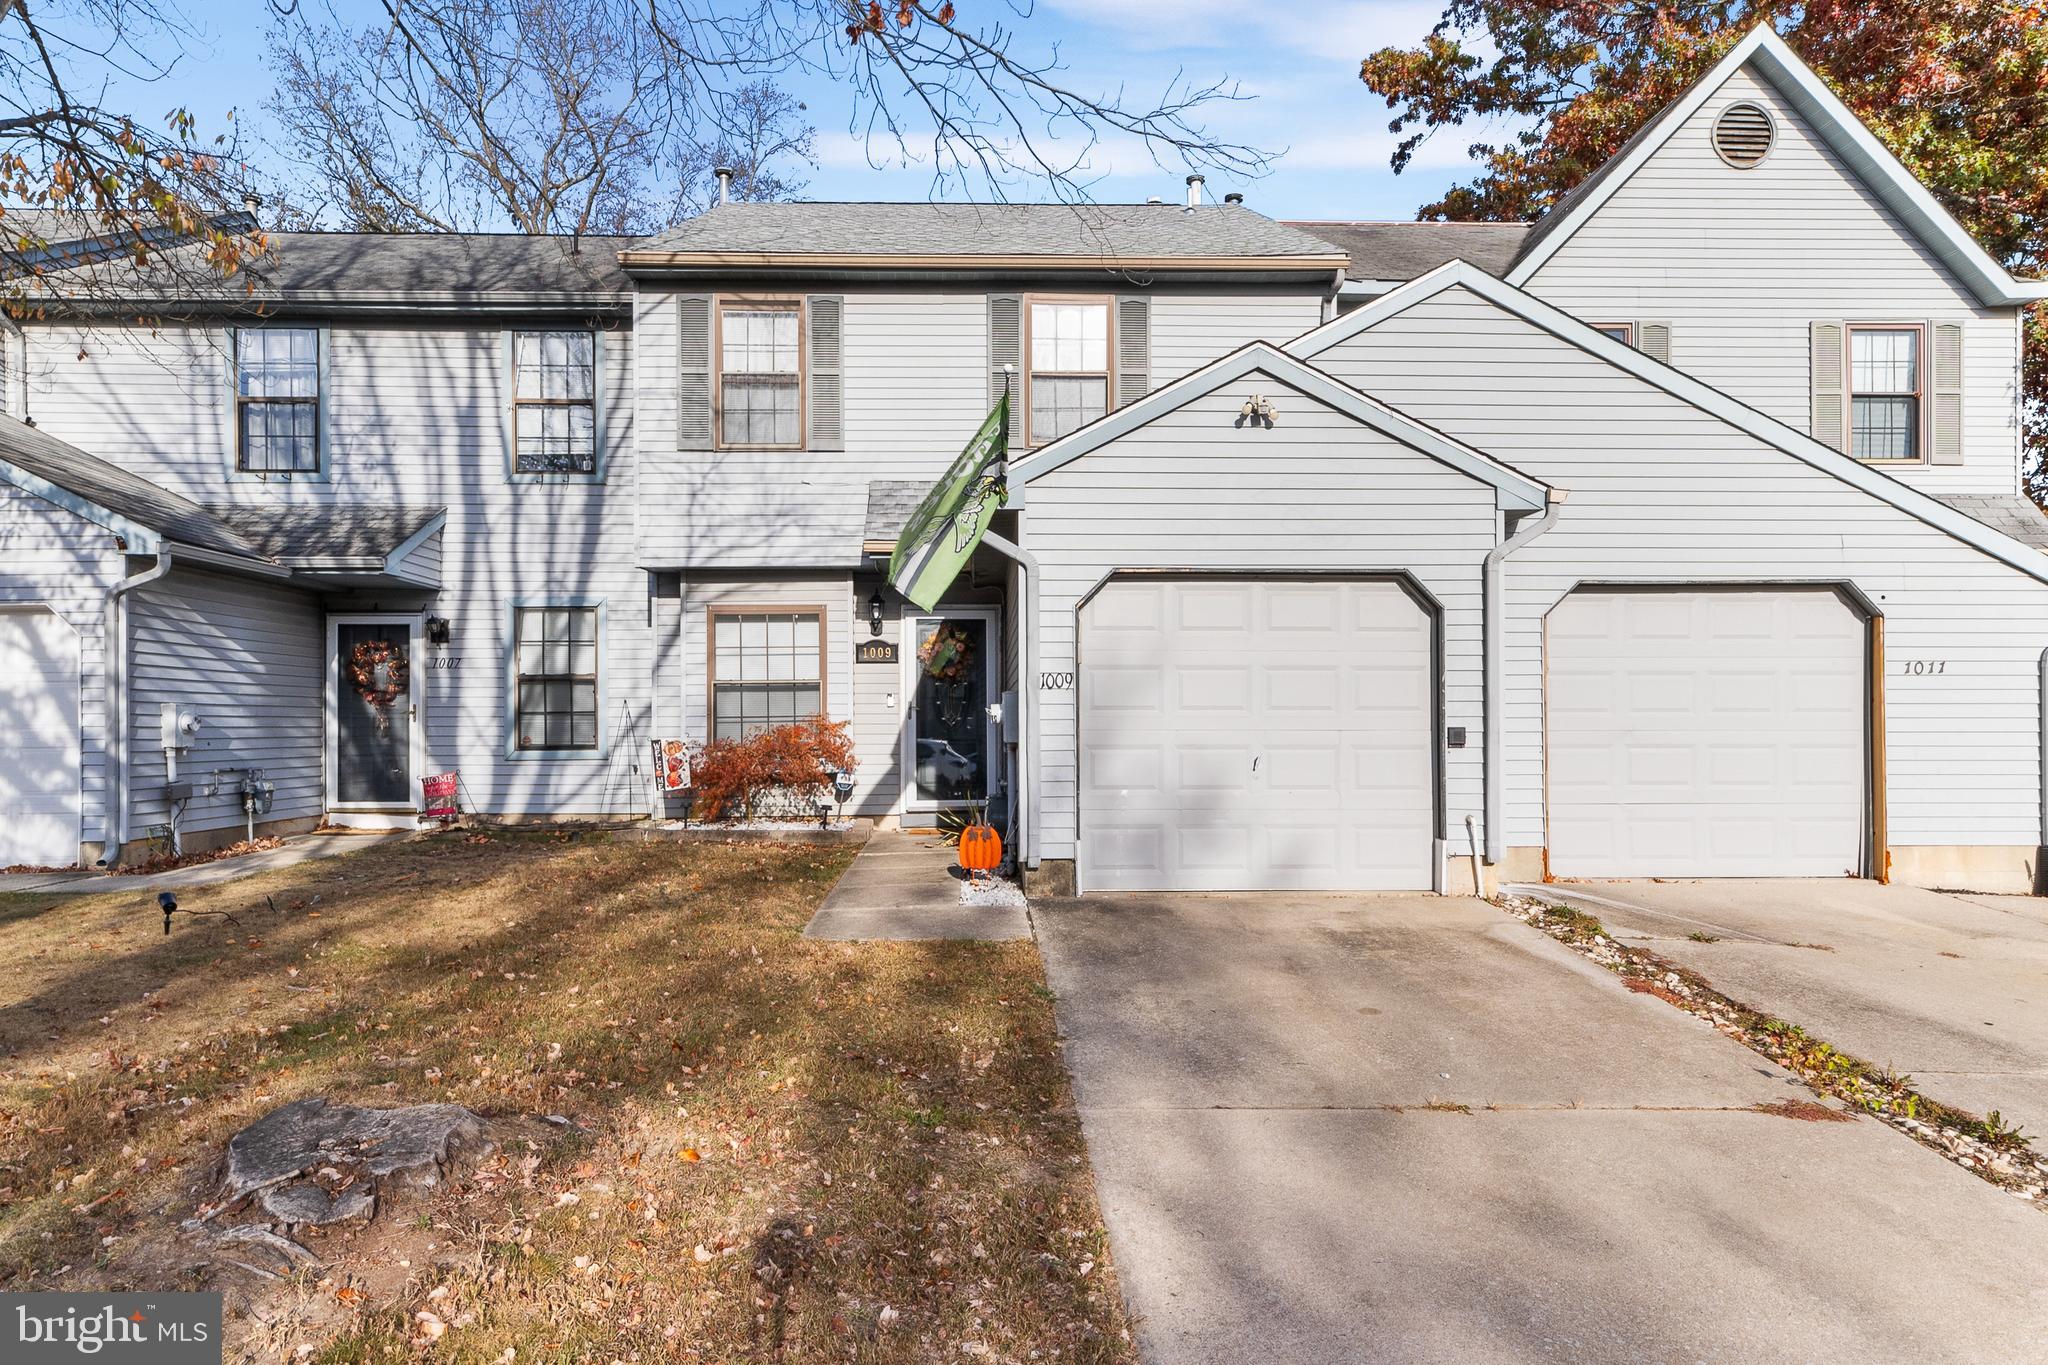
x=951 y=519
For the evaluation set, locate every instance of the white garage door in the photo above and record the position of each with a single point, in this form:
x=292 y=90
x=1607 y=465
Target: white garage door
x=1253 y=734
x=1706 y=734
x=38 y=740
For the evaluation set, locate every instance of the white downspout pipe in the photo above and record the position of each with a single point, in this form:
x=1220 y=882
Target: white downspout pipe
x=1027 y=686
x=2040 y=880
x=1496 y=674
x=114 y=818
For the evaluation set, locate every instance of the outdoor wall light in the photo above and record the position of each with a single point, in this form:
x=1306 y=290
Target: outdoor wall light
x=1257 y=411
x=438 y=630
x=875 y=613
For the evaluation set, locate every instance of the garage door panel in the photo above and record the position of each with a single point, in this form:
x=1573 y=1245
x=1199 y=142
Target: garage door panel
x=1716 y=732
x=1296 y=724
x=39 y=740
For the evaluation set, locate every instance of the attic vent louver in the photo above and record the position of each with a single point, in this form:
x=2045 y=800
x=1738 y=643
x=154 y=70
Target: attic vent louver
x=1743 y=135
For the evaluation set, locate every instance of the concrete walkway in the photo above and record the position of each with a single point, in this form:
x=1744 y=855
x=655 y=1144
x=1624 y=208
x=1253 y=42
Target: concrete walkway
x=297 y=849
x=1410 y=1129
x=1944 y=987
x=905 y=886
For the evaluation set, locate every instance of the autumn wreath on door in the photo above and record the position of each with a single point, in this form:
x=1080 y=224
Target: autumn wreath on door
x=379 y=673
x=947 y=658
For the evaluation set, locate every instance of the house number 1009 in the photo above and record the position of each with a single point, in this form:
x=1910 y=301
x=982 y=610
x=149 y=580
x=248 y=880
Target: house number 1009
x=1919 y=668
x=1056 y=682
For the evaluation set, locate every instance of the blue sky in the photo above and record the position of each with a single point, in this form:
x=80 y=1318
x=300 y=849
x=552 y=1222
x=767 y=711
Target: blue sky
x=1296 y=65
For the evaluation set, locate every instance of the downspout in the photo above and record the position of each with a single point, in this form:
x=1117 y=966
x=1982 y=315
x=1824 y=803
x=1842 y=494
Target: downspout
x=1495 y=646
x=2041 y=853
x=114 y=818
x=1028 y=768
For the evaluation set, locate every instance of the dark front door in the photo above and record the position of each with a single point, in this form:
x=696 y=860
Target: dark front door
x=949 y=714
x=373 y=714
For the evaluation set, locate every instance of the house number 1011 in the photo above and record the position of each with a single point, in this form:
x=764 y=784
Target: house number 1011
x=1923 y=668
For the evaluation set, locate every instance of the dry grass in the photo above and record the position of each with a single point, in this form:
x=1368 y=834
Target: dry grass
x=781 y=1149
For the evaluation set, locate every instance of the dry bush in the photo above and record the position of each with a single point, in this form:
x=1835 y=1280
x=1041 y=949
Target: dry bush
x=791 y=763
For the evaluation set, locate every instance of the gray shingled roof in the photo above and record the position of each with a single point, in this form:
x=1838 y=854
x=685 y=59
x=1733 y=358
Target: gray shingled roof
x=890 y=503
x=327 y=535
x=125 y=494
x=1403 y=251
x=2018 y=517
x=1112 y=230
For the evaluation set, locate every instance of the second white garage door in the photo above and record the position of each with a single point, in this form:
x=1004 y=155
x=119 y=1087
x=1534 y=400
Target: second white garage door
x=1715 y=733
x=1256 y=734
x=39 y=790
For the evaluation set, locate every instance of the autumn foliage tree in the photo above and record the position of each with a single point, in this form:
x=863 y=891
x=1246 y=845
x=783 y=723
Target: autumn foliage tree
x=1958 y=89
x=782 y=770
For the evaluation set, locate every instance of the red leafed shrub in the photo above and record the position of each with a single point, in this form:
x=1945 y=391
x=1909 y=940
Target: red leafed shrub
x=789 y=766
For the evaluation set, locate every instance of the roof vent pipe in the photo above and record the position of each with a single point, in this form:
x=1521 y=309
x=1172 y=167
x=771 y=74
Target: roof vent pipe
x=252 y=203
x=724 y=174
x=1154 y=199
x=1233 y=198
x=1195 y=183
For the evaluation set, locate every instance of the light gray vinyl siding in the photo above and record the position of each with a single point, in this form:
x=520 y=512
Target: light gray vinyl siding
x=246 y=657
x=416 y=417
x=56 y=558
x=1318 y=492
x=916 y=388
x=878 y=707
x=422 y=563
x=1740 y=262
x=1660 y=491
x=833 y=593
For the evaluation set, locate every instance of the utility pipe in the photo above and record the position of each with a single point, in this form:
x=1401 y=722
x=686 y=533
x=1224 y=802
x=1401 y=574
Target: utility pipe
x=114 y=818
x=1495 y=646
x=1027 y=687
x=2038 y=876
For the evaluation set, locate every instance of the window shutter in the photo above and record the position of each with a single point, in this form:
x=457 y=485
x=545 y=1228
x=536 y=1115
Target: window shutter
x=1830 y=393
x=1653 y=339
x=693 y=371
x=1133 y=348
x=1006 y=347
x=1945 y=429
x=827 y=417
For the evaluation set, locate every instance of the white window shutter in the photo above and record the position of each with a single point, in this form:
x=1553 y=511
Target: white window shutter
x=827 y=418
x=1133 y=348
x=1829 y=385
x=1945 y=407
x=693 y=371
x=1006 y=347
x=1653 y=339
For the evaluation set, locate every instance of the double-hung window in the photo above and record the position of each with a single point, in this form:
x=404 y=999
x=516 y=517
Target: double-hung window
x=556 y=682
x=760 y=372
x=277 y=400
x=554 y=402
x=1884 y=393
x=767 y=669
x=1068 y=383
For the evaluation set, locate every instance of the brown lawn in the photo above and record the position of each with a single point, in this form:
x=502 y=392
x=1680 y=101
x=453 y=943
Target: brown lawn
x=775 y=1149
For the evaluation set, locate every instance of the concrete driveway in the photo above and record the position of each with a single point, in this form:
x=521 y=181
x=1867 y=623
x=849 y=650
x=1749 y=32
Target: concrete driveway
x=1951 y=989
x=1270 y=1089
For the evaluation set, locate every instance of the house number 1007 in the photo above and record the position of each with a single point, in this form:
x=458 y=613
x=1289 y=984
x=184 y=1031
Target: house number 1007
x=1919 y=668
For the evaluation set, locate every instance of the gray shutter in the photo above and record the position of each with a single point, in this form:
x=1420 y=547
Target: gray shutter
x=1653 y=339
x=693 y=371
x=1830 y=396
x=1945 y=424
x=827 y=416
x=1133 y=348
x=1006 y=347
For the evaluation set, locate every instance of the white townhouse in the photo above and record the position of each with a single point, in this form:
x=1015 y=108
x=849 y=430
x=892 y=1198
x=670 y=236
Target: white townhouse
x=1678 y=534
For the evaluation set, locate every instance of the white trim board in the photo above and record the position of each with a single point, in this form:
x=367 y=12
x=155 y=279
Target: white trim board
x=1838 y=126
x=1516 y=491
x=1534 y=311
x=140 y=539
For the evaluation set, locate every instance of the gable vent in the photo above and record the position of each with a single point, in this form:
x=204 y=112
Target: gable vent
x=1743 y=135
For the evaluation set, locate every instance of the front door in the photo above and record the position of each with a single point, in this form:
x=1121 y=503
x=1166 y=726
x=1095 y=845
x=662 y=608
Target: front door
x=951 y=742
x=372 y=716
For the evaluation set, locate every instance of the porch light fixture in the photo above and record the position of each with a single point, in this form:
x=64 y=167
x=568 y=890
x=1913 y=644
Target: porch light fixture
x=875 y=605
x=438 y=630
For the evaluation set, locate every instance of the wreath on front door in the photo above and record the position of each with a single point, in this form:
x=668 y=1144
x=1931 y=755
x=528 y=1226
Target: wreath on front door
x=379 y=673
x=947 y=653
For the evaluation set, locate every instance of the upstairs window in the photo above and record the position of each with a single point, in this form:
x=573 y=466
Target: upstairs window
x=1068 y=383
x=767 y=669
x=556 y=678
x=277 y=400
x=1884 y=393
x=1623 y=332
x=554 y=403
x=760 y=371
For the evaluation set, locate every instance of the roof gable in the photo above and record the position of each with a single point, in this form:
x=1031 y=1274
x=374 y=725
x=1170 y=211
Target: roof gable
x=1797 y=444
x=1771 y=60
x=1516 y=491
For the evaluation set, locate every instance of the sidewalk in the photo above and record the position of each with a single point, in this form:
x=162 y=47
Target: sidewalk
x=297 y=849
x=905 y=887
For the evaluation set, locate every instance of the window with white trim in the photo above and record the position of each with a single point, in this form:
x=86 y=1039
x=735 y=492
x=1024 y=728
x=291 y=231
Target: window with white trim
x=554 y=402
x=767 y=669
x=760 y=372
x=556 y=678
x=1068 y=350
x=1884 y=393
x=277 y=400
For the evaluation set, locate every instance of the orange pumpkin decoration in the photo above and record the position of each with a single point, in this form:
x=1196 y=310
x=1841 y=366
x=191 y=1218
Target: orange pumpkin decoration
x=981 y=848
